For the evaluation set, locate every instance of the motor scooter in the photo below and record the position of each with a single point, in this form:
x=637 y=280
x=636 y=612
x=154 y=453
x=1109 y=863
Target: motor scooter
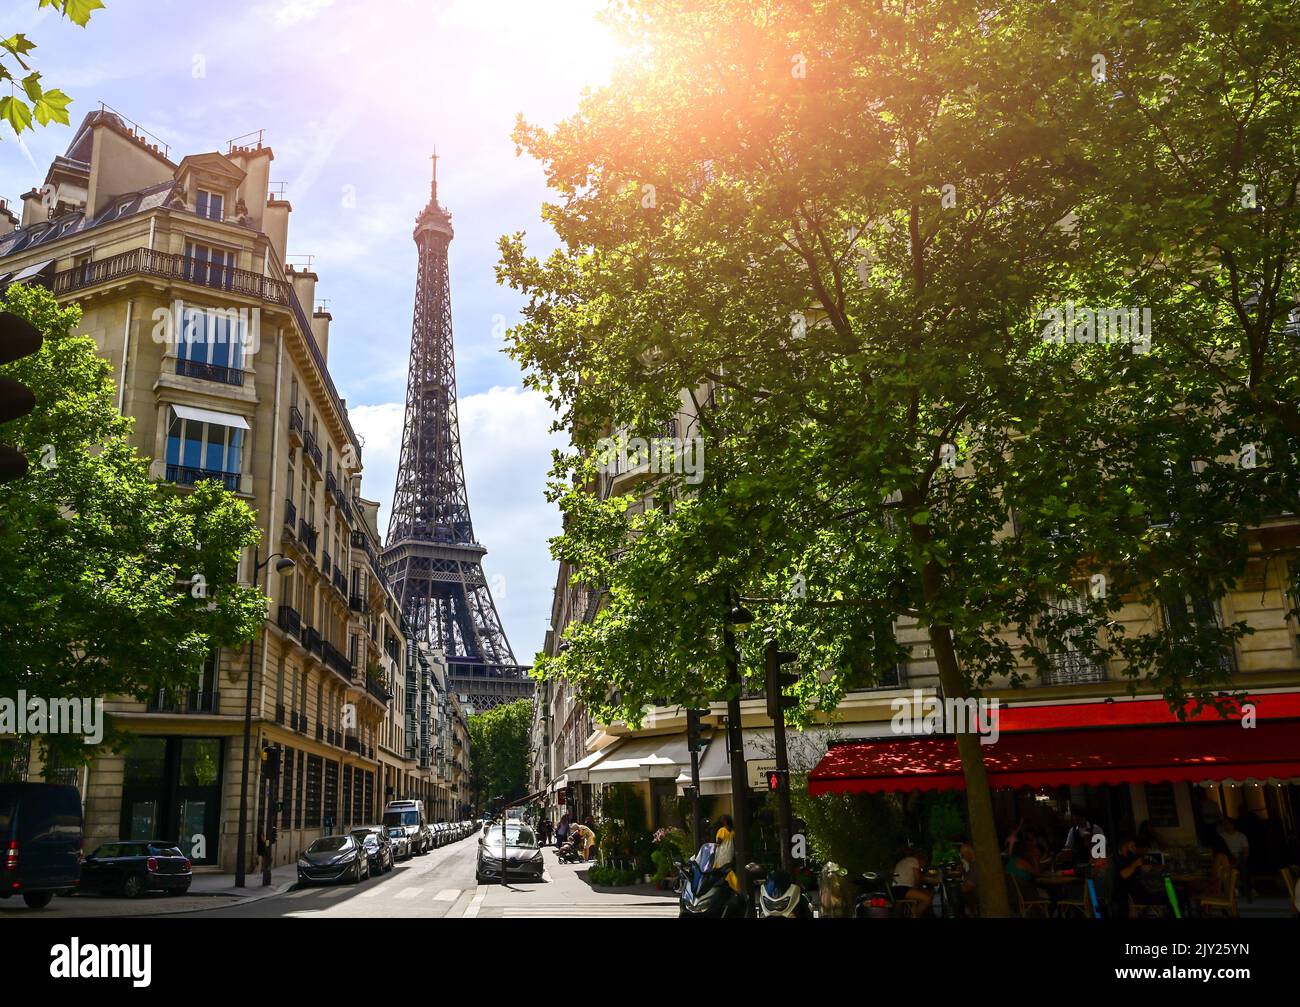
x=703 y=889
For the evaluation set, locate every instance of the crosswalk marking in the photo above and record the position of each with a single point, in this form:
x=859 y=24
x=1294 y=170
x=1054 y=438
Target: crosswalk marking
x=408 y=893
x=471 y=911
x=370 y=893
x=447 y=895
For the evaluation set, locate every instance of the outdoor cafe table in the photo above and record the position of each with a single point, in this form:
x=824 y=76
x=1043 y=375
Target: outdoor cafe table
x=1057 y=879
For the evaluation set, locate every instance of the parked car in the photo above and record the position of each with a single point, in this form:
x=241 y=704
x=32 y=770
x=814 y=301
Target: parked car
x=401 y=843
x=440 y=834
x=378 y=847
x=410 y=816
x=132 y=868
x=40 y=841
x=522 y=855
x=334 y=858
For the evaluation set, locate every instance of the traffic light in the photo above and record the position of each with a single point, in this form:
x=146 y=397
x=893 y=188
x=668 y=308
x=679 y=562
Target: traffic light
x=271 y=761
x=18 y=338
x=774 y=780
x=778 y=681
x=694 y=740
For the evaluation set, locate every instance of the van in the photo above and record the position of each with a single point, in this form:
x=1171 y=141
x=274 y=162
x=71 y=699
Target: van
x=40 y=841
x=409 y=815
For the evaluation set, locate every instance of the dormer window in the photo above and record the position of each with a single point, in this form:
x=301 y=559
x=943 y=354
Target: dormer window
x=123 y=207
x=210 y=205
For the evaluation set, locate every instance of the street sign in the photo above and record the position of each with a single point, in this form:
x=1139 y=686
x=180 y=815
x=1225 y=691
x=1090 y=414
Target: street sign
x=756 y=770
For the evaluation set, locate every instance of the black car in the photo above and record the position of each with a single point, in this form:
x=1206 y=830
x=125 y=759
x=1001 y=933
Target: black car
x=334 y=858
x=523 y=857
x=40 y=841
x=379 y=848
x=131 y=868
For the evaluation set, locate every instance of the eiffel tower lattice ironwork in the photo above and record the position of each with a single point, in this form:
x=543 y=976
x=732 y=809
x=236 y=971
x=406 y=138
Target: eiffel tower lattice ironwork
x=432 y=558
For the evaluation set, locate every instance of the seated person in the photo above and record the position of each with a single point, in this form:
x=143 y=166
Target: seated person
x=1135 y=879
x=907 y=881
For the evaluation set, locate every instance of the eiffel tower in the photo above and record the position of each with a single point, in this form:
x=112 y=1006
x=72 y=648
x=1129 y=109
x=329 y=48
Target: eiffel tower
x=432 y=558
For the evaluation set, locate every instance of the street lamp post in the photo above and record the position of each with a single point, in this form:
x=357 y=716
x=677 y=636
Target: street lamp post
x=738 y=619
x=285 y=564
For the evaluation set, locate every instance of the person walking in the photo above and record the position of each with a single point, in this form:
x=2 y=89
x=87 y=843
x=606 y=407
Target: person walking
x=562 y=830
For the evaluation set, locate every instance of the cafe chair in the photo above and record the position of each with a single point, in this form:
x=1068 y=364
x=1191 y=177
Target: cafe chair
x=1066 y=908
x=906 y=907
x=1029 y=907
x=1224 y=904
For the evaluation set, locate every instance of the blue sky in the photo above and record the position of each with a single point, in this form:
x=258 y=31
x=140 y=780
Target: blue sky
x=353 y=95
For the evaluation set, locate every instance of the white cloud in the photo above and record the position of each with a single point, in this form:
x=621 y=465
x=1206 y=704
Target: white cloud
x=506 y=446
x=291 y=12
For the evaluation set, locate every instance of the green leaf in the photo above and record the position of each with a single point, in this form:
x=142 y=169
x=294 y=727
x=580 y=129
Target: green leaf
x=921 y=517
x=32 y=86
x=15 y=112
x=79 y=11
x=53 y=107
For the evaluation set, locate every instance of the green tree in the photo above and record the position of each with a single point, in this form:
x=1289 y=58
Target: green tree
x=498 y=751
x=46 y=105
x=114 y=583
x=847 y=219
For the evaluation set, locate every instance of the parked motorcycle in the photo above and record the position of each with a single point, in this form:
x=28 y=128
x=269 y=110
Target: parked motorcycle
x=780 y=898
x=704 y=890
x=873 y=901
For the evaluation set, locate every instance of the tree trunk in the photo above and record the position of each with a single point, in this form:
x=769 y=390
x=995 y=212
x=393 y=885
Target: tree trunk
x=992 y=888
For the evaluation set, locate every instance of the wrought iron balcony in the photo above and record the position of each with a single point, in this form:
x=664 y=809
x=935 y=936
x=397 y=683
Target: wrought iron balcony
x=340 y=582
x=359 y=604
x=325 y=565
x=279 y=713
x=1071 y=667
x=336 y=661
x=187 y=475
x=290 y=514
x=376 y=689
x=183 y=701
x=210 y=372
x=289 y=620
x=295 y=424
x=352 y=744
x=307 y=535
x=168 y=266
x=311 y=450
x=331 y=484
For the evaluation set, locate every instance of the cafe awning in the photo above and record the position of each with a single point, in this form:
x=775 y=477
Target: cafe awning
x=634 y=760
x=577 y=773
x=1197 y=752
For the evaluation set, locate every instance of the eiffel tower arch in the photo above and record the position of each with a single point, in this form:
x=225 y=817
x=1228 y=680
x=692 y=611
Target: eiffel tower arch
x=432 y=558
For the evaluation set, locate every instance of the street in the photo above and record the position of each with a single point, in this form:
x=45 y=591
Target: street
x=440 y=884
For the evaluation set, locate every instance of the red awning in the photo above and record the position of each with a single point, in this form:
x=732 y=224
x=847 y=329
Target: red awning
x=1153 y=753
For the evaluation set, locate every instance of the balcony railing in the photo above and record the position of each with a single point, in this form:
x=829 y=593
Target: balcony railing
x=325 y=564
x=188 y=475
x=289 y=620
x=307 y=535
x=352 y=744
x=169 y=266
x=377 y=690
x=183 y=701
x=311 y=639
x=279 y=713
x=295 y=422
x=1072 y=667
x=341 y=582
x=290 y=514
x=359 y=604
x=311 y=449
x=331 y=484
x=210 y=372
x=334 y=659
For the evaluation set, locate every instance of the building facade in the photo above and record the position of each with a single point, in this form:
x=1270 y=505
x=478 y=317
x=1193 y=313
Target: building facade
x=221 y=355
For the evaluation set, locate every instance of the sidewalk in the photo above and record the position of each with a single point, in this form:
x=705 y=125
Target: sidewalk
x=211 y=883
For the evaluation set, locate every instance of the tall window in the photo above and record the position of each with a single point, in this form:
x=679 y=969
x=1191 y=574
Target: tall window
x=197 y=449
x=209 y=265
x=212 y=344
x=210 y=205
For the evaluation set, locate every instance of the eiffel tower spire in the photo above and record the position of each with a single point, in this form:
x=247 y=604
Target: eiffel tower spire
x=432 y=558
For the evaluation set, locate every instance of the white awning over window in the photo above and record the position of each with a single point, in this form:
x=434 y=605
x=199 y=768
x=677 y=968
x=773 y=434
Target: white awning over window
x=211 y=416
x=633 y=760
x=577 y=773
x=804 y=749
x=35 y=269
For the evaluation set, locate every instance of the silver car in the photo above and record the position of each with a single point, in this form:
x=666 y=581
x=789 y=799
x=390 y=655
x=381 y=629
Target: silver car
x=401 y=843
